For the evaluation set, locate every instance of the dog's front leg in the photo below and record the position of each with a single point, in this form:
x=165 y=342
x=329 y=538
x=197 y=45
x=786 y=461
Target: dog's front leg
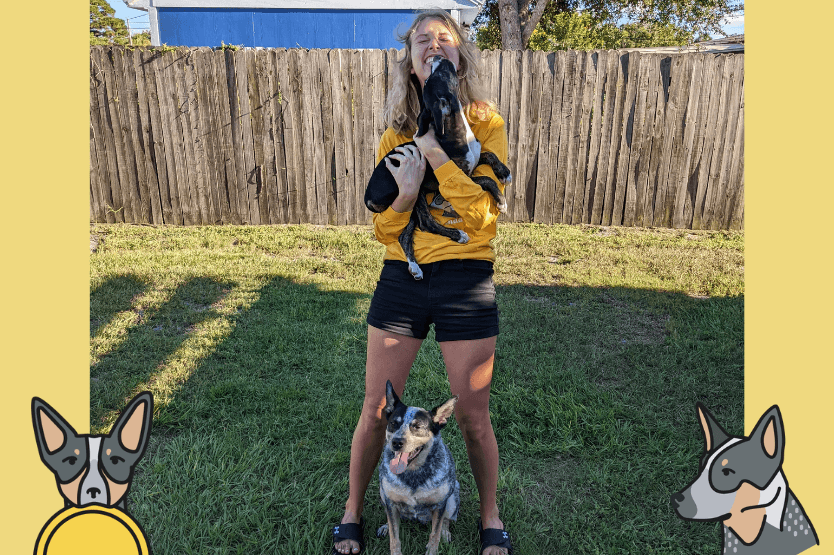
x=406 y=240
x=436 y=530
x=426 y=223
x=487 y=184
x=394 y=529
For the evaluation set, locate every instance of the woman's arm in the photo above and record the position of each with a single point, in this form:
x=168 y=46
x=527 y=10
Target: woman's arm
x=389 y=223
x=476 y=206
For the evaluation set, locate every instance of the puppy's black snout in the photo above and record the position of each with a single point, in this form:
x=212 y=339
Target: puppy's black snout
x=93 y=492
x=397 y=444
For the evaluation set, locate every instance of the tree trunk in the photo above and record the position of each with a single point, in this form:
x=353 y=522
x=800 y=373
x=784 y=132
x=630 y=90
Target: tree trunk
x=508 y=15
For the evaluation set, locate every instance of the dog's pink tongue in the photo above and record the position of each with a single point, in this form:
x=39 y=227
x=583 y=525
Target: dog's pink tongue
x=399 y=463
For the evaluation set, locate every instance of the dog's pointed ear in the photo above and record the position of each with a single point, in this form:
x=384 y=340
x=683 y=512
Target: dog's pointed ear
x=51 y=430
x=769 y=432
x=441 y=414
x=714 y=434
x=391 y=400
x=424 y=119
x=134 y=424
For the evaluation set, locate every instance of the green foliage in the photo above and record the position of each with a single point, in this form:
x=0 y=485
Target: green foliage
x=578 y=31
x=142 y=39
x=609 y=24
x=104 y=27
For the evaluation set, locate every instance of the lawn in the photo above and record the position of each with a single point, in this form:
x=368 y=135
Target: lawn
x=252 y=340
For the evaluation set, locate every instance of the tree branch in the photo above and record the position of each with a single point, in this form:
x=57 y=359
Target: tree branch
x=528 y=26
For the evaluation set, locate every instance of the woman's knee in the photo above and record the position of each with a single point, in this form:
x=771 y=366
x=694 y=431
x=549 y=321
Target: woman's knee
x=474 y=420
x=372 y=418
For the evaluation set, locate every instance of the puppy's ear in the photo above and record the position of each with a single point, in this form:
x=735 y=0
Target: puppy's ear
x=51 y=430
x=391 y=400
x=441 y=414
x=415 y=82
x=769 y=433
x=134 y=425
x=424 y=120
x=714 y=434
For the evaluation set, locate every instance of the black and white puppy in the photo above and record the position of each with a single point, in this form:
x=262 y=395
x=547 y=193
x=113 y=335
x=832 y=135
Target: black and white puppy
x=417 y=478
x=440 y=108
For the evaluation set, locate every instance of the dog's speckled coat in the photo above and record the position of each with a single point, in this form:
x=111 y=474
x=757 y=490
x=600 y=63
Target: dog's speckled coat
x=426 y=488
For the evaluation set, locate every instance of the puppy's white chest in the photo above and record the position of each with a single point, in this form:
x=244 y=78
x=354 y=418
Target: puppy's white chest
x=471 y=142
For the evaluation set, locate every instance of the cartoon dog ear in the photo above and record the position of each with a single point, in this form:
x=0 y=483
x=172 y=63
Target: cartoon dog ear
x=51 y=430
x=770 y=434
x=134 y=424
x=714 y=434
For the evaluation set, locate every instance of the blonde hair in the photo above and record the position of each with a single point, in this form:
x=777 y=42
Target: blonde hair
x=403 y=103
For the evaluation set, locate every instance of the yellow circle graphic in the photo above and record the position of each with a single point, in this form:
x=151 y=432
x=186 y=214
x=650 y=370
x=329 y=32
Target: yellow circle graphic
x=92 y=531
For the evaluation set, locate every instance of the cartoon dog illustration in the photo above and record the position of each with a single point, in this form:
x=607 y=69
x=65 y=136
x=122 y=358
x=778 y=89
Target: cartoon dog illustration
x=740 y=483
x=93 y=474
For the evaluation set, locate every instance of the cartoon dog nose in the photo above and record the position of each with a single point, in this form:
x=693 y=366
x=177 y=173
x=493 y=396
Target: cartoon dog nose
x=677 y=499
x=92 y=492
x=397 y=444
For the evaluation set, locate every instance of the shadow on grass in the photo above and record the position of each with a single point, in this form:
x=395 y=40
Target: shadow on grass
x=111 y=297
x=593 y=406
x=153 y=337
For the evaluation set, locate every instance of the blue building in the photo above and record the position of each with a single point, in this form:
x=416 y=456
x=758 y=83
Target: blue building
x=291 y=23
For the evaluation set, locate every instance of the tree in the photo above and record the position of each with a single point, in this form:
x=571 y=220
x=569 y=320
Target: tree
x=517 y=20
x=104 y=27
x=142 y=39
x=562 y=24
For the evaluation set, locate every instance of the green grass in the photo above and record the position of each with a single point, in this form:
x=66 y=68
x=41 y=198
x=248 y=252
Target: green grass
x=253 y=340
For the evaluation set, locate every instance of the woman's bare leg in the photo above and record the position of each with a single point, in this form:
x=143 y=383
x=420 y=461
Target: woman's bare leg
x=390 y=357
x=469 y=366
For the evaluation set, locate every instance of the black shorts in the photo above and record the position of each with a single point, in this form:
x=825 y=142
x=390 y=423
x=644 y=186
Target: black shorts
x=457 y=296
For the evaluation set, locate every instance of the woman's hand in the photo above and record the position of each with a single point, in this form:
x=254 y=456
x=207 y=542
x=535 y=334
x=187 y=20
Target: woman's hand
x=431 y=149
x=408 y=175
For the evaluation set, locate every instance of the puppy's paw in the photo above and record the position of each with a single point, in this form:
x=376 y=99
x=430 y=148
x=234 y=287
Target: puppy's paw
x=382 y=531
x=415 y=270
x=502 y=206
x=463 y=238
x=505 y=178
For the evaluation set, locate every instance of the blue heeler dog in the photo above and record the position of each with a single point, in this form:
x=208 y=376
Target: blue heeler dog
x=741 y=483
x=417 y=474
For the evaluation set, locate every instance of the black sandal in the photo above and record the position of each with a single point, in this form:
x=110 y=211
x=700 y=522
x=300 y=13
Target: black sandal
x=496 y=537
x=350 y=531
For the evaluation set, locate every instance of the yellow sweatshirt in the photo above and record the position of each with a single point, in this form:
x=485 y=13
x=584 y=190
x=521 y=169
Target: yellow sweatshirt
x=460 y=202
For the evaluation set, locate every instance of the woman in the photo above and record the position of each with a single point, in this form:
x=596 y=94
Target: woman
x=457 y=293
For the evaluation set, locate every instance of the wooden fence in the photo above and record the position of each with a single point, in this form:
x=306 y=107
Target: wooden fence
x=202 y=136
